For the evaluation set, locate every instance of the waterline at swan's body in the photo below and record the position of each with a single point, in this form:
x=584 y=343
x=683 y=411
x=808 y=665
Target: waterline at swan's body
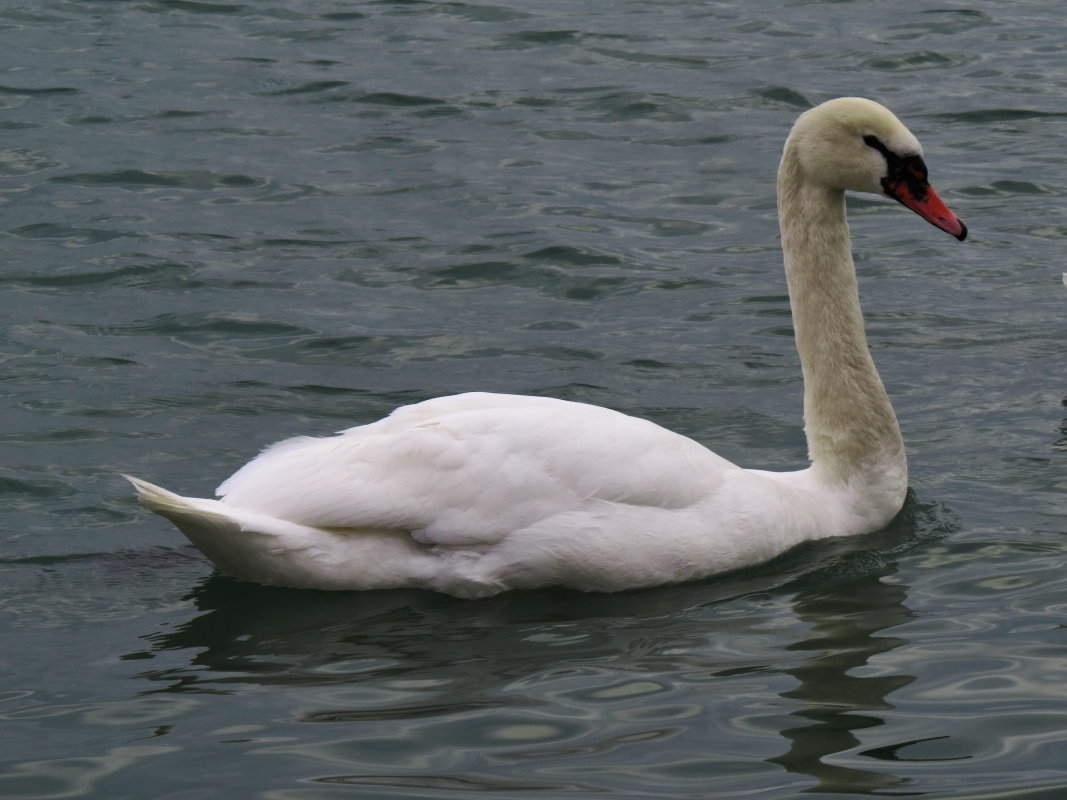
x=479 y=493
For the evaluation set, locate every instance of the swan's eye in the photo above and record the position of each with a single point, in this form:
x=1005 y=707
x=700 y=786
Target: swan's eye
x=876 y=143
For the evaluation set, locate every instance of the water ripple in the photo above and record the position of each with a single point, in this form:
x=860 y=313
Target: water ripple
x=137 y=179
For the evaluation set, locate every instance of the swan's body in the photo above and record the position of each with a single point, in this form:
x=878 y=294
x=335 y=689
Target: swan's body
x=480 y=493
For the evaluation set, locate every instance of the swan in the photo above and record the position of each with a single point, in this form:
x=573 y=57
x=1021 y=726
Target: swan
x=475 y=494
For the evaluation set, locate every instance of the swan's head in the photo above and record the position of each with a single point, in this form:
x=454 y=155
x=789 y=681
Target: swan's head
x=854 y=143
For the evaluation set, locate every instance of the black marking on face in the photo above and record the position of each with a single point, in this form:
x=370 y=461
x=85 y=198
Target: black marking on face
x=907 y=172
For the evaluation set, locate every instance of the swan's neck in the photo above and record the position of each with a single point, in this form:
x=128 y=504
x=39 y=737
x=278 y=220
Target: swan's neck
x=852 y=432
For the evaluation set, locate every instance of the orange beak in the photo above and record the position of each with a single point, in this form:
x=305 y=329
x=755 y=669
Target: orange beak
x=910 y=188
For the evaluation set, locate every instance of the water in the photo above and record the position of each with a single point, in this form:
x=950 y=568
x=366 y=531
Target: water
x=226 y=223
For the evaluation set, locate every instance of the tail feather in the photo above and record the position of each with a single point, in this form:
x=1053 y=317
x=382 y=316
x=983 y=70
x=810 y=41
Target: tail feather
x=156 y=498
x=256 y=547
x=232 y=539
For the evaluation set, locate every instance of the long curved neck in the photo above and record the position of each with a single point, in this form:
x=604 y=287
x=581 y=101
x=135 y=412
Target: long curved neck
x=853 y=436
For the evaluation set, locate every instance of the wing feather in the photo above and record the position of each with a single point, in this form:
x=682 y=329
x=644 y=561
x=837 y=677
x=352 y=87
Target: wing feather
x=469 y=469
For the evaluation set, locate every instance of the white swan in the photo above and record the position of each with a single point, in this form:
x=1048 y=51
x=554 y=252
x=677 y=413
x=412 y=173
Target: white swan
x=476 y=494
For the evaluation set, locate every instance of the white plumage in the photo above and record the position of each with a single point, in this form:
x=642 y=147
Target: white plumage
x=479 y=493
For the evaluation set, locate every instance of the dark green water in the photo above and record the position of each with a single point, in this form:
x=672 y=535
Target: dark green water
x=227 y=223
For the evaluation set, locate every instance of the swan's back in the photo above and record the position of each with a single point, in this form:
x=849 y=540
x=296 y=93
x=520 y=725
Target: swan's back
x=469 y=469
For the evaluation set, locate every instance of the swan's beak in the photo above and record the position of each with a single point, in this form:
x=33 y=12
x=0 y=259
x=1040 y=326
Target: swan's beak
x=913 y=191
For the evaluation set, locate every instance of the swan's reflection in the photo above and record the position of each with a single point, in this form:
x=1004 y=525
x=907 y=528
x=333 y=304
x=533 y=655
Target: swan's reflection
x=845 y=620
x=248 y=633
x=417 y=670
x=844 y=625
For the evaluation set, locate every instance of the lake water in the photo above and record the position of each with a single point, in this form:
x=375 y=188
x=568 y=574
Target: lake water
x=225 y=223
